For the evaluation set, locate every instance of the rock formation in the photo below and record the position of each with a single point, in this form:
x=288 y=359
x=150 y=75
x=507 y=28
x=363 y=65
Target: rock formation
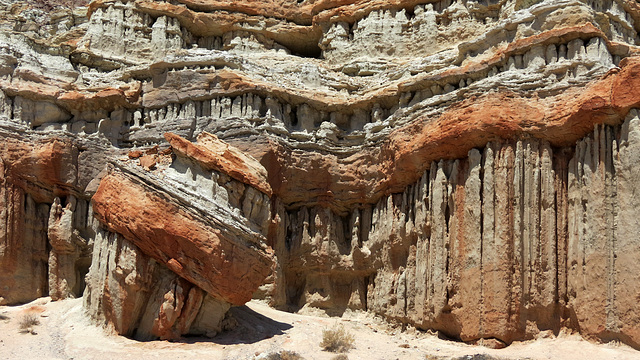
x=455 y=165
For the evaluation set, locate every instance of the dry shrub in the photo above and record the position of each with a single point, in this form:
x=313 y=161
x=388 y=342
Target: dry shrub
x=337 y=339
x=285 y=355
x=28 y=321
x=340 y=357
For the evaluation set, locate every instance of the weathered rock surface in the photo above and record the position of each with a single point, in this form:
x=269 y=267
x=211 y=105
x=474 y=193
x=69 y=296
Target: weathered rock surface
x=70 y=253
x=504 y=243
x=213 y=154
x=138 y=297
x=198 y=249
x=46 y=224
x=23 y=255
x=202 y=242
x=464 y=166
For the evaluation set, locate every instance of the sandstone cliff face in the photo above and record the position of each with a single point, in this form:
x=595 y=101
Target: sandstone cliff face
x=464 y=166
x=504 y=243
x=203 y=242
x=198 y=249
x=46 y=227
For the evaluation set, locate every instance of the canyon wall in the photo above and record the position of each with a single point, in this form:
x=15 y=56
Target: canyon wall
x=509 y=241
x=461 y=166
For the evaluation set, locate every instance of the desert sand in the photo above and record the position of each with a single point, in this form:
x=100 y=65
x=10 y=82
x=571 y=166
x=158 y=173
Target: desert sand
x=64 y=332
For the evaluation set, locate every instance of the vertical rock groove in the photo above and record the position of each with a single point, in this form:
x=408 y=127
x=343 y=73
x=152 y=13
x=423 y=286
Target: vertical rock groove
x=515 y=239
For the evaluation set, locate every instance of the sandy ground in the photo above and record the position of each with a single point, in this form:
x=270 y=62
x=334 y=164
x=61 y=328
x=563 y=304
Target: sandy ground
x=64 y=333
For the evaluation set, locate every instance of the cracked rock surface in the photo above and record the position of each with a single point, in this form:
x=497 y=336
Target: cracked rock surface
x=461 y=166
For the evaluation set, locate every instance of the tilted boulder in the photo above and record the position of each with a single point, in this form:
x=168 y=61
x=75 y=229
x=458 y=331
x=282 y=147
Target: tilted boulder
x=174 y=216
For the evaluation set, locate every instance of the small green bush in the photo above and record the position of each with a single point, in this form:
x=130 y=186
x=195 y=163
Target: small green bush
x=337 y=339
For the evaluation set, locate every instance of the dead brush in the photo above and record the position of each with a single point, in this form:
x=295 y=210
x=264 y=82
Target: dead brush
x=337 y=339
x=340 y=357
x=284 y=355
x=27 y=322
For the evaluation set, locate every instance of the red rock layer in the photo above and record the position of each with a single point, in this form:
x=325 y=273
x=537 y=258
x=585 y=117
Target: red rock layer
x=214 y=154
x=504 y=243
x=225 y=267
x=472 y=123
x=33 y=175
x=49 y=163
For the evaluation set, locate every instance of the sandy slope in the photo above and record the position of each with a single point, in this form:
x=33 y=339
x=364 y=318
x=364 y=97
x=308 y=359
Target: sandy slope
x=64 y=333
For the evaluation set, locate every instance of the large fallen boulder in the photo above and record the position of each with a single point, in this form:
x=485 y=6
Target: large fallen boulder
x=204 y=226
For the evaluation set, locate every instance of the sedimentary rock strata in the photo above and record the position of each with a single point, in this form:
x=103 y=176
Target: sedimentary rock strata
x=136 y=296
x=484 y=246
x=46 y=220
x=197 y=237
x=463 y=166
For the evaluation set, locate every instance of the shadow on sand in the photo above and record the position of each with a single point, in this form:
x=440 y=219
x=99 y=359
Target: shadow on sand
x=252 y=327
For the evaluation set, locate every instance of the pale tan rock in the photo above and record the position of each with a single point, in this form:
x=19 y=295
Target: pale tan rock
x=433 y=163
x=625 y=249
x=62 y=272
x=135 y=296
x=466 y=254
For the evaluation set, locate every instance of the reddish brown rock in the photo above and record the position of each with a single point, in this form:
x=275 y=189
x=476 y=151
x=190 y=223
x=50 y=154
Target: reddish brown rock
x=223 y=265
x=365 y=176
x=134 y=154
x=23 y=245
x=148 y=162
x=434 y=164
x=100 y=99
x=25 y=167
x=513 y=242
x=50 y=163
x=41 y=237
x=560 y=120
x=215 y=154
x=301 y=38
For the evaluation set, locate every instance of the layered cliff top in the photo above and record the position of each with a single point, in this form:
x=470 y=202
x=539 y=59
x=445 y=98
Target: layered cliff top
x=362 y=95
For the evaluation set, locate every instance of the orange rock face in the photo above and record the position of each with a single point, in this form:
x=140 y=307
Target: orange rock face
x=212 y=258
x=51 y=163
x=23 y=240
x=214 y=154
x=34 y=175
x=363 y=177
